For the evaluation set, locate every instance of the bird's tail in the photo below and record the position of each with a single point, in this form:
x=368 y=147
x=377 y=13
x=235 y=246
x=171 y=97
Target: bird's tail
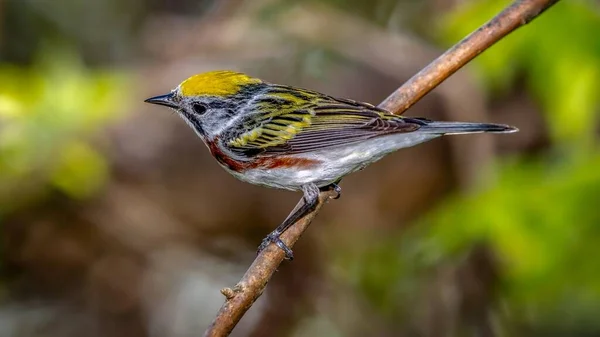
x=455 y=128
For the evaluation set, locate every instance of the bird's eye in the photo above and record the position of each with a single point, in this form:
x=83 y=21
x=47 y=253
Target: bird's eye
x=199 y=108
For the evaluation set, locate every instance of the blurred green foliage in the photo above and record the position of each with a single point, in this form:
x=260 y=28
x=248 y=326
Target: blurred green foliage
x=542 y=220
x=48 y=114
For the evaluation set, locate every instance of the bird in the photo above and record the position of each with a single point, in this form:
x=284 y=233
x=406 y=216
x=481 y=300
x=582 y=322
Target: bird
x=296 y=139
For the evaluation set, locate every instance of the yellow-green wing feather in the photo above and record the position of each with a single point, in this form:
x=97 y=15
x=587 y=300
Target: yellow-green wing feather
x=293 y=120
x=280 y=114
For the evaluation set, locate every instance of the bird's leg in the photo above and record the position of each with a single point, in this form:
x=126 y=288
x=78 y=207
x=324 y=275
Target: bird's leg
x=311 y=197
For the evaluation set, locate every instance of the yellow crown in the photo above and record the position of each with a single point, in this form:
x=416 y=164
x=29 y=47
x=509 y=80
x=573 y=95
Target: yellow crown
x=215 y=83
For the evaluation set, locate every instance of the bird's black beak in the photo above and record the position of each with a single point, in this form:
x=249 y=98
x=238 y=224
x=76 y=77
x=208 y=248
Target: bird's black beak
x=166 y=100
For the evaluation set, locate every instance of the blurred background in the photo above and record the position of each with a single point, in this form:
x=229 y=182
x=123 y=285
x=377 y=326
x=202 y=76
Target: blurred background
x=115 y=220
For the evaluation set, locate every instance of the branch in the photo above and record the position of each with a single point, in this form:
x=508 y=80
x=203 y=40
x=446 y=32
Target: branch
x=241 y=297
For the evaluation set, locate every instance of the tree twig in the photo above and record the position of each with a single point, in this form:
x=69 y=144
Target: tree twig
x=241 y=297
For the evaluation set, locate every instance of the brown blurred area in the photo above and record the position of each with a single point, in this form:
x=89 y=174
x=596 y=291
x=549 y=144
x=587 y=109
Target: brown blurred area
x=147 y=255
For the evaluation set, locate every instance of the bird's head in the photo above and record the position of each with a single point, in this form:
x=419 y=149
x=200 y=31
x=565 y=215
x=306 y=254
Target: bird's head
x=209 y=100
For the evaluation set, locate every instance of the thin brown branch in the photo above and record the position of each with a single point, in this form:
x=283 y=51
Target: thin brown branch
x=241 y=297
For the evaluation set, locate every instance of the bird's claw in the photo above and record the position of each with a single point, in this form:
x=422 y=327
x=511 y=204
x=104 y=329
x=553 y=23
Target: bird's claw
x=337 y=189
x=274 y=237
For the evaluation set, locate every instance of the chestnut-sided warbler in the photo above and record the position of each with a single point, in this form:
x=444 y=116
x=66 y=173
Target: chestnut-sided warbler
x=295 y=139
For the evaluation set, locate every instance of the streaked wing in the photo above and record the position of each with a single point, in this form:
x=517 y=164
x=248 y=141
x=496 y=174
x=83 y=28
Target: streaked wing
x=296 y=121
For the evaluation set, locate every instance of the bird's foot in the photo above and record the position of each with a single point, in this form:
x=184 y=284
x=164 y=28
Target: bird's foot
x=275 y=237
x=311 y=197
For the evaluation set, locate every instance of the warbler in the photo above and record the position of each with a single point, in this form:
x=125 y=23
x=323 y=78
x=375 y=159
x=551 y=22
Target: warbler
x=295 y=139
